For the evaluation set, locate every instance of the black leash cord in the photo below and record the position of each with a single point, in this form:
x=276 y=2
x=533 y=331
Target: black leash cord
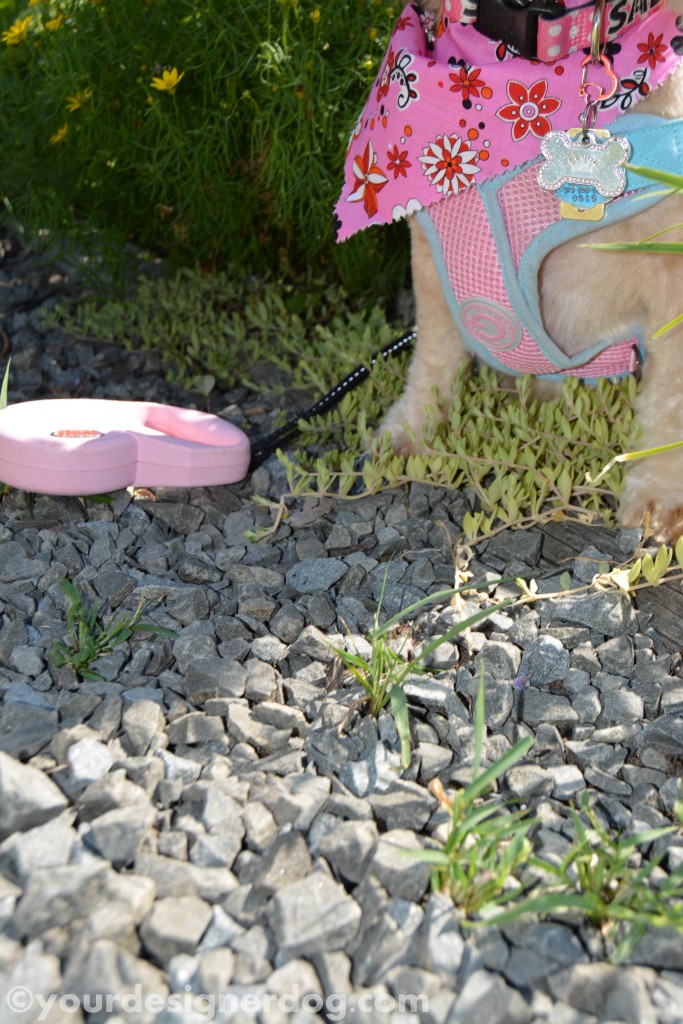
x=260 y=450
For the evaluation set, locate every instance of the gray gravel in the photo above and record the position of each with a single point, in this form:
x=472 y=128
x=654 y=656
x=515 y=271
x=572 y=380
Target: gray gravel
x=199 y=833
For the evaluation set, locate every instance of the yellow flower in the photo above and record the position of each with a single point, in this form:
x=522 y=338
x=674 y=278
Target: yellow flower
x=17 y=32
x=315 y=15
x=168 y=81
x=78 y=99
x=59 y=135
x=54 y=23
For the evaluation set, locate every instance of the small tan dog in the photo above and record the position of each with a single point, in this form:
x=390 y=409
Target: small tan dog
x=585 y=295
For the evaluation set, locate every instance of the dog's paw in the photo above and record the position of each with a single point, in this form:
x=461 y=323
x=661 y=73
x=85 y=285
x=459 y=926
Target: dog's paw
x=663 y=521
x=400 y=440
x=395 y=423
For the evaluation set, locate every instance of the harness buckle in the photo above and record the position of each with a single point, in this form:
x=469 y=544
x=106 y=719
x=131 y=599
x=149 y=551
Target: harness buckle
x=515 y=22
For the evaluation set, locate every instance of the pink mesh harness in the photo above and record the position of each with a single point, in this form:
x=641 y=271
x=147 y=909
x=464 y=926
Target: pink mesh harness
x=488 y=244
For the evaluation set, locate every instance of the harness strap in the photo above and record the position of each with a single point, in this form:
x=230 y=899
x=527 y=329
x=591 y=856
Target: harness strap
x=545 y=30
x=489 y=242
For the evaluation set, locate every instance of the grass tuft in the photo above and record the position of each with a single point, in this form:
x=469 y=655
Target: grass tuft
x=89 y=639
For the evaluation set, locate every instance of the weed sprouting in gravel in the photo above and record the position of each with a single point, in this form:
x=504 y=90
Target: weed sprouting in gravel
x=488 y=843
x=488 y=867
x=618 y=890
x=5 y=386
x=388 y=668
x=89 y=638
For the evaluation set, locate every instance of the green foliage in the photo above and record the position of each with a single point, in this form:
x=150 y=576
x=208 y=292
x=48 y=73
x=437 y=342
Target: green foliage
x=488 y=844
x=239 y=154
x=5 y=386
x=678 y=807
x=487 y=866
x=643 y=570
x=235 y=329
x=616 y=885
x=653 y=569
x=88 y=639
x=523 y=459
x=608 y=880
x=388 y=668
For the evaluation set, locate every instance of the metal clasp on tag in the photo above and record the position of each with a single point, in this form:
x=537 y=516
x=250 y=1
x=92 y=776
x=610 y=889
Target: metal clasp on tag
x=515 y=22
x=594 y=99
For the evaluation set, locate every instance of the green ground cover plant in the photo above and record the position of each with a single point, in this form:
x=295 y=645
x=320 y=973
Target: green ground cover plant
x=203 y=130
x=239 y=329
x=500 y=442
x=507 y=447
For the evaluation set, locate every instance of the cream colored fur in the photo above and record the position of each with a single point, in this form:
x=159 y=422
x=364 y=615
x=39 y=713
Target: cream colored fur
x=586 y=296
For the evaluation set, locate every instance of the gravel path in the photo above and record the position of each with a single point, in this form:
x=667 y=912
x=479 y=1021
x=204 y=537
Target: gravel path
x=194 y=838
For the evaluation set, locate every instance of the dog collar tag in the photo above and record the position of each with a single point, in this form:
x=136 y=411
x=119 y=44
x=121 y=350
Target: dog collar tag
x=583 y=197
x=584 y=170
x=580 y=202
x=592 y=158
x=568 y=211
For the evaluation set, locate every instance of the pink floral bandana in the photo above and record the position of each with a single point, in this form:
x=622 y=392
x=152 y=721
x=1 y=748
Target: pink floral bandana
x=451 y=108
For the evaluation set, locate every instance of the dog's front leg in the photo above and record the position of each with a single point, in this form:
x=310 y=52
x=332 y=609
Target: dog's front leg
x=439 y=351
x=653 y=491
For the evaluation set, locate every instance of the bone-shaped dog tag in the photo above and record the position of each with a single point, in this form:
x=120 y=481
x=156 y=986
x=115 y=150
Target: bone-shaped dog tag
x=584 y=169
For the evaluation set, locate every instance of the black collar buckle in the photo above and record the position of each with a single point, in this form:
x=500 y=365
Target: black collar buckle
x=515 y=22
